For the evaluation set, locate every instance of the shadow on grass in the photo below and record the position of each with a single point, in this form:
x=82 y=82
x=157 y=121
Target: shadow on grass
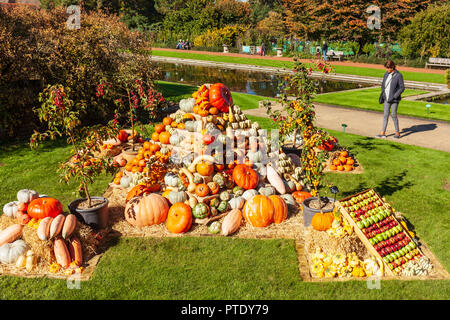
x=370 y=144
x=360 y=187
x=392 y=184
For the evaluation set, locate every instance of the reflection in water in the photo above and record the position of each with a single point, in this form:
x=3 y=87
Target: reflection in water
x=257 y=83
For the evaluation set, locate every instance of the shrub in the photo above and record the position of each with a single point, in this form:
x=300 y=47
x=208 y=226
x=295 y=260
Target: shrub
x=447 y=77
x=217 y=37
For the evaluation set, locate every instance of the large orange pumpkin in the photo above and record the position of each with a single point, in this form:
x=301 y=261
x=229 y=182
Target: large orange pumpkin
x=299 y=196
x=281 y=209
x=164 y=137
x=220 y=97
x=137 y=191
x=179 y=219
x=147 y=210
x=259 y=211
x=245 y=177
x=322 y=221
x=44 y=207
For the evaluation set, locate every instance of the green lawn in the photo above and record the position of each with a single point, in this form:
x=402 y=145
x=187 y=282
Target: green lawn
x=367 y=99
x=412 y=76
x=411 y=178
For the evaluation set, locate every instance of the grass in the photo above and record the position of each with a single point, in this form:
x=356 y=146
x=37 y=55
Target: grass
x=411 y=178
x=367 y=99
x=361 y=71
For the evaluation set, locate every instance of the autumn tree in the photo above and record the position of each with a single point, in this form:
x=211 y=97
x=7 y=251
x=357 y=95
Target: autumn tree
x=272 y=26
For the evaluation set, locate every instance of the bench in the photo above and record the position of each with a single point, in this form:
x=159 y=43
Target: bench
x=438 y=62
x=335 y=54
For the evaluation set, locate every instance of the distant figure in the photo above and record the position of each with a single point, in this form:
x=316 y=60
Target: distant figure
x=392 y=88
x=263 y=48
x=179 y=44
x=318 y=53
x=324 y=50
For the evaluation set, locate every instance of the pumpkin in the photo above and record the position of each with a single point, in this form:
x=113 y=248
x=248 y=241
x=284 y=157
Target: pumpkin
x=224 y=195
x=44 y=207
x=348 y=167
x=343 y=154
x=10 y=234
x=155 y=136
x=237 y=203
x=61 y=253
x=167 y=121
x=179 y=219
x=350 y=161
x=214 y=228
x=275 y=180
x=166 y=194
x=10 y=209
x=43 y=231
x=176 y=139
x=190 y=126
x=213 y=187
x=187 y=105
x=178 y=196
x=232 y=222
x=220 y=97
x=259 y=211
x=281 y=209
x=159 y=128
x=249 y=193
x=202 y=190
x=219 y=179
x=299 y=196
x=200 y=211
x=340 y=168
x=146 y=210
x=238 y=191
x=57 y=225
x=343 y=160
x=322 y=221
x=137 y=191
x=245 y=177
x=125 y=181
x=27 y=195
x=164 y=137
x=223 y=206
x=204 y=168
x=10 y=252
x=171 y=179
x=333 y=167
x=75 y=251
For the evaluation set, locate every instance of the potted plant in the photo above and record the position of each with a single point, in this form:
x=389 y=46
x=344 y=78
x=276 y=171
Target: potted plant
x=62 y=118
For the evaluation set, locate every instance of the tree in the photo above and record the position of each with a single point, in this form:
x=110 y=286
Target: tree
x=428 y=34
x=260 y=9
x=232 y=12
x=272 y=26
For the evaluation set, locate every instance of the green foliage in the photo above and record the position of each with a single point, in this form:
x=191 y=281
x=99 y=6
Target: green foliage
x=428 y=35
x=447 y=77
x=218 y=37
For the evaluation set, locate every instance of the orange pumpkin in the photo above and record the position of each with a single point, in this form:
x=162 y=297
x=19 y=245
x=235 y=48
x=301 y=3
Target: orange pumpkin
x=245 y=177
x=333 y=167
x=322 y=221
x=146 y=145
x=147 y=210
x=128 y=166
x=259 y=211
x=181 y=126
x=137 y=191
x=202 y=190
x=336 y=162
x=41 y=208
x=203 y=113
x=213 y=187
x=179 y=219
x=167 y=121
x=164 y=137
x=340 y=168
x=174 y=124
x=142 y=163
x=281 y=209
x=155 y=136
x=348 y=167
x=220 y=97
x=147 y=154
x=196 y=109
x=213 y=111
x=159 y=128
x=343 y=160
x=154 y=148
x=204 y=168
x=299 y=196
x=343 y=154
x=350 y=161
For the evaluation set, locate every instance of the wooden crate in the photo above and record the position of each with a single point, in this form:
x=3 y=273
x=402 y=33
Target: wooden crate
x=362 y=236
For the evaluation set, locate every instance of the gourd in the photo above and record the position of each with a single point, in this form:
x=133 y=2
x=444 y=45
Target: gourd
x=289 y=199
x=224 y=196
x=191 y=187
x=259 y=211
x=179 y=219
x=202 y=190
x=10 y=252
x=245 y=177
x=267 y=191
x=214 y=228
x=69 y=226
x=200 y=211
x=281 y=209
x=232 y=222
x=214 y=202
x=22 y=218
x=171 y=179
x=10 y=209
x=10 y=234
x=322 y=221
x=237 y=203
x=27 y=195
x=289 y=186
x=43 y=230
x=75 y=251
x=300 y=196
x=190 y=126
x=30 y=260
x=238 y=191
x=125 y=181
x=44 y=207
x=181 y=186
x=198 y=178
x=187 y=105
x=275 y=180
x=192 y=202
x=213 y=187
x=223 y=206
x=146 y=210
x=205 y=168
x=175 y=139
x=61 y=253
x=21 y=262
x=219 y=179
x=205 y=158
x=57 y=225
x=177 y=196
x=249 y=193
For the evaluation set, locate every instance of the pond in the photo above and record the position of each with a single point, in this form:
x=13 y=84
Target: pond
x=256 y=83
x=440 y=99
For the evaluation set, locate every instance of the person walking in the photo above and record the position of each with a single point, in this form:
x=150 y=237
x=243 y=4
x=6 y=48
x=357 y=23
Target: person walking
x=263 y=48
x=324 y=50
x=392 y=88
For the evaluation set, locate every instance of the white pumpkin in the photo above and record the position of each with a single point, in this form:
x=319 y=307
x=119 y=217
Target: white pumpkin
x=237 y=203
x=249 y=193
x=176 y=139
x=10 y=209
x=171 y=179
x=125 y=181
x=187 y=105
x=10 y=252
x=27 y=195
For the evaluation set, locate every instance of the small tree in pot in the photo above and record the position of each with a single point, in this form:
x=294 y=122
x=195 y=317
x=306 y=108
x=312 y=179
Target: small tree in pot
x=62 y=118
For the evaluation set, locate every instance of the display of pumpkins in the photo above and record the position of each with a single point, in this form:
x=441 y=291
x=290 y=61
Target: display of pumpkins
x=147 y=210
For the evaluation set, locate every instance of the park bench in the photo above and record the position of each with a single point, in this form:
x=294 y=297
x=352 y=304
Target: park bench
x=438 y=62
x=335 y=54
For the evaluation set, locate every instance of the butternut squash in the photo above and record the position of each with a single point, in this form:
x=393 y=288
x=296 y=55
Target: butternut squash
x=10 y=234
x=69 y=226
x=232 y=222
x=61 y=253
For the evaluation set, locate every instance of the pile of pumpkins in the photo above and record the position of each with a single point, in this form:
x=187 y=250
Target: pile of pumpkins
x=45 y=214
x=342 y=161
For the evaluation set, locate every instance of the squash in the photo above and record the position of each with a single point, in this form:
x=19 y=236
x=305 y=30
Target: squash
x=178 y=196
x=176 y=139
x=191 y=186
x=219 y=179
x=289 y=199
x=57 y=225
x=200 y=211
x=147 y=210
x=223 y=206
x=75 y=251
x=205 y=168
x=61 y=253
x=202 y=190
x=214 y=228
x=249 y=193
x=245 y=177
x=237 y=203
x=27 y=195
x=281 y=209
x=220 y=97
x=171 y=179
x=322 y=221
x=198 y=179
x=214 y=202
x=238 y=191
x=259 y=211
x=10 y=234
x=179 y=219
x=267 y=191
x=213 y=187
x=224 y=196
x=21 y=262
x=44 y=207
x=164 y=137
x=125 y=181
x=203 y=158
x=187 y=105
x=10 y=209
x=275 y=180
x=299 y=196
x=43 y=230
x=231 y=222
x=22 y=218
x=30 y=260
x=10 y=252
x=69 y=226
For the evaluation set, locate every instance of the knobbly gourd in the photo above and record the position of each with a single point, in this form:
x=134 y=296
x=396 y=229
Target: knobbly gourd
x=214 y=227
x=178 y=196
x=200 y=211
x=171 y=179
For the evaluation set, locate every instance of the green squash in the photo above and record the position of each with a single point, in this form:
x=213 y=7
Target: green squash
x=238 y=191
x=223 y=206
x=177 y=196
x=214 y=228
x=181 y=186
x=214 y=211
x=219 y=179
x=200 y=211
x=214 y=202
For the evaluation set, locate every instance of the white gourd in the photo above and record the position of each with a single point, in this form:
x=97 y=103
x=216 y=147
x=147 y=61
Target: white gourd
x=27 y=195
x=10 y=252
x=249 y=193
x=10 y=209
x=237 y=203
